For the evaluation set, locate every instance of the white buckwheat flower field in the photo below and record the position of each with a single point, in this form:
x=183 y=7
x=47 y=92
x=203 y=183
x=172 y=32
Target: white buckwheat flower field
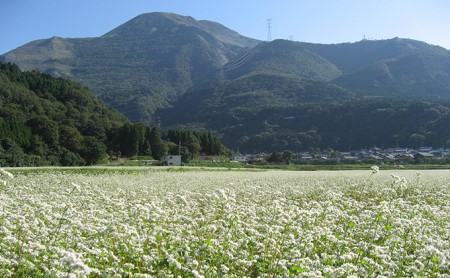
x=155 y=223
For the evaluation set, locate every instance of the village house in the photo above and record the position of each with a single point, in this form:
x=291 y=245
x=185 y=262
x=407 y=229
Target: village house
x=171 y=160
x=239 y=158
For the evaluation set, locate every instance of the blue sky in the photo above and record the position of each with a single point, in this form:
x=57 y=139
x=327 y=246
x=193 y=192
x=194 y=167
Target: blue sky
x=319 y=21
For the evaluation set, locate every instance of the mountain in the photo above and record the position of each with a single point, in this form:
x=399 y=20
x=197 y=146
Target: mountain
x=258 y=95
x=141 y=65
x=285 y=94
x=397 y=67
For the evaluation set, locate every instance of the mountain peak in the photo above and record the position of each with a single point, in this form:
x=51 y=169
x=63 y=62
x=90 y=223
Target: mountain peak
x=162 y=23
x=155 y=58
x=149 y=23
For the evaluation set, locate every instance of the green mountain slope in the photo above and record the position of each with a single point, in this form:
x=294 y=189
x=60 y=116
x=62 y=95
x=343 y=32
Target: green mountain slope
x=226 y=104
x=264 y=96
x=46 y=120
x=54 y=121
x=397 y=67
x=255 y=119
x=141 y=65
x=264 y=103
x=281 y=56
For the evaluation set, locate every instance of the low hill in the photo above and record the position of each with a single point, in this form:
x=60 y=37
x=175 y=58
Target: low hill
x=226 y=104
x=50 y=121
x=54 y=121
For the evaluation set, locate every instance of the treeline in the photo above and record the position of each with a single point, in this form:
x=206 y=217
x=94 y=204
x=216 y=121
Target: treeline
x=139 y=139
x=274 y=112
x=356 y=124
x=190 y=143
x=54 y=121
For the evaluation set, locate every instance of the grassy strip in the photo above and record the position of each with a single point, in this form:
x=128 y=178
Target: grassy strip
x=74 y=170
x=123 y=170
x=220 y=167
x=344 y=167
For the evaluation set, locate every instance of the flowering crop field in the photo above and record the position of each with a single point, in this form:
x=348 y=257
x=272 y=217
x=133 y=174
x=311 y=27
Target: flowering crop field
x=225 y=224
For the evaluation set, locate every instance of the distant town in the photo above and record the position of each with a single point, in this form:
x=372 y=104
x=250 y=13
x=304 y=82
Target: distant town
x=400 y=156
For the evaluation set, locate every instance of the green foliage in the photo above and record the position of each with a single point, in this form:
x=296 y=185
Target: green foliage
x=132 y=139
x=17 y=131
x=51 y=121
x=158 y=148
x=11 y=153
x=193 y=143
x=93 y=150
x=275 y=158
x=265 y=121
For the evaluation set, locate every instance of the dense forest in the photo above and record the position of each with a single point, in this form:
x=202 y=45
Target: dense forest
x=361 y=123
x=268 y=112
x=53 y=121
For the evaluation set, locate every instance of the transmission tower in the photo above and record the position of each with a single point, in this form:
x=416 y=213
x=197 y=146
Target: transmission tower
x=269 y=33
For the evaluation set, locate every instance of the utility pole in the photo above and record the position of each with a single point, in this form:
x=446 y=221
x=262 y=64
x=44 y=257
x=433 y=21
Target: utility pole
x=269 y=33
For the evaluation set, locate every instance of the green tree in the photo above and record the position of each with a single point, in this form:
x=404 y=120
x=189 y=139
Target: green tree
x=13 y=155
x=287 y=156
x=275 y=157
x=70 y=138
x=158 y=148
x=172 y=148
x=93 y=150
x=38 y=146
x=68 y=158
x=46 y=128
x=417 y=139
x=192 y=144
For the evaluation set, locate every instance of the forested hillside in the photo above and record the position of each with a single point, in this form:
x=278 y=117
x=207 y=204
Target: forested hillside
x=308 y=115
x=290 y=95
x=54 y=121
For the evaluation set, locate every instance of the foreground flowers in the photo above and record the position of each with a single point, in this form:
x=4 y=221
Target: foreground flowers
x=229 y=224
x=5 y=174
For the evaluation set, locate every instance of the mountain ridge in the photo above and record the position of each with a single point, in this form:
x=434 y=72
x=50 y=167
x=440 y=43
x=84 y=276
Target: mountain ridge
x=173 y=69
x=134 y=68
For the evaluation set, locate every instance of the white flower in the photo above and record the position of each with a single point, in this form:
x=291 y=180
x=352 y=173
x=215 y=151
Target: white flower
x=6 y=173
x=224 y=268
x=76 y=187
x=196 y=274
x=375 y=169
x=287 y=219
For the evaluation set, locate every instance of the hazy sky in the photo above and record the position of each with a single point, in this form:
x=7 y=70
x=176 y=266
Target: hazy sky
x=320 y=21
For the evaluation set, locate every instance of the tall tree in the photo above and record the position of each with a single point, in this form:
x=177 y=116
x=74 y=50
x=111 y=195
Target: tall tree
x=158 y=148
x=93 y=150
